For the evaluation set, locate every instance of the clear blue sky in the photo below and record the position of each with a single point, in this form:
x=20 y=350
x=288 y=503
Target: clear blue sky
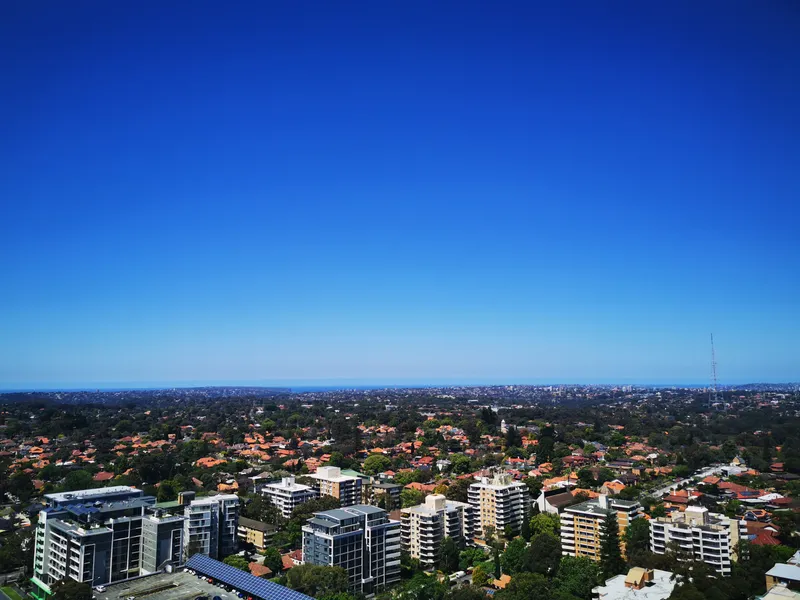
x=398 y=192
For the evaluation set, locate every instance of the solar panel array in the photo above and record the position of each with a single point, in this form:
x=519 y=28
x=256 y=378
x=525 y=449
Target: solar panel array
x=244 y=582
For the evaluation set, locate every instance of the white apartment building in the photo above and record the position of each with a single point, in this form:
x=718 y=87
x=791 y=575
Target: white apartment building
x=709 y=537
x=498 y=502
x=210 y=525
x=423 y=527
x=287 y=494
x=329 y=481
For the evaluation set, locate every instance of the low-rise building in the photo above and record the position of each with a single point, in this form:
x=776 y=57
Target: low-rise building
x=255 y=532
x=637 y=584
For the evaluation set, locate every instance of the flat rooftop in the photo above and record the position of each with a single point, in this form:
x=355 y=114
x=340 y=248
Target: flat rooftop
x=179 y=585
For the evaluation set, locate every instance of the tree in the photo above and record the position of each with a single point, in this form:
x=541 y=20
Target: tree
x=460 y=464
x=637 y=540
x=21 y=486
x=78 y=480
x=545 y=523
x=238 y=562
x=423 y=587
x=273 y=560
x=166 y=492
x=525 y=530
x=543 y=555
x=316 y=580
x=411 y=497
x=611 y=562
x=497 y=570
x=577 y=575
x=525 y=586
x=458 y=490
x=69 y=589
x=448 y=555
x=513 y=558
x=465 y=592
x=480 y=577
x=469 y=557
x=377 y=463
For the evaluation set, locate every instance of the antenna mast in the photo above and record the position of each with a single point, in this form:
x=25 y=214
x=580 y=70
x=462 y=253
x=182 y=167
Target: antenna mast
x=714 y=398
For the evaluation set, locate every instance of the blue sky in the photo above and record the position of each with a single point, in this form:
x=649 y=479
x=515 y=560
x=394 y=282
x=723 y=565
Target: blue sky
x=398 y=192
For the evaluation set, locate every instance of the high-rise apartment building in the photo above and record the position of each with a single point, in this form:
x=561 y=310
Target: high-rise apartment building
x=423 y=527
x=329 y=481
x=697 y=533
x=287 y=495
x=582 y=524
x=210 y=525
x=361 y=539
x=106 y=535
x=498 y=502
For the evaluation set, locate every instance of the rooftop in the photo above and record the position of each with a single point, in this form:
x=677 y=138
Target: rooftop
x=163 y=586
x=659 y=588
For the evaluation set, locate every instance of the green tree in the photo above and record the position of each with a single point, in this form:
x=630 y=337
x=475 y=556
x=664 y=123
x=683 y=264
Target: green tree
x=166 y=492
x=272 y=560
x=543 y=555
x=458 y=490
x=545 y=523
x=577 y=575
x=525 y=531
x=513 y=558
x=469 y=557
x=21 y=486
x=377 y=463
x=69 y=589
x=480 y=577
x=448 y=555
x=611 y=562
x=637 y=540
x=411 y=497
x=238 y=562
x=78 y=480
x=465 y=592
x=525 y=586
x=316 y=580
x=423 y=587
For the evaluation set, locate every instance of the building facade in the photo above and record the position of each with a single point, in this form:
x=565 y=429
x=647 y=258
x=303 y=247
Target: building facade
x=329 y=481
x=255 y=532
x=287 y=495
x=105 y=535
x=423 y=527
x=498 y=502
x=697 y=533
x=361 y=539
x=582 y=524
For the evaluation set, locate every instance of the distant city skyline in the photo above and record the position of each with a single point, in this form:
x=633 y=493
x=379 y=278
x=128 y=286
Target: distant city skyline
x=399 y=192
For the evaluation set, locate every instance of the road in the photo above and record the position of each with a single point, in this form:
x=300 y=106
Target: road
x=674 y=486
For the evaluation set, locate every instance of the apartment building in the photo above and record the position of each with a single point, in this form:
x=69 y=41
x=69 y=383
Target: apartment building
x=423 y=527
x=210 y=526
x=106 y=535
x=582 y=524
x=256 y=533
x=705 y=536
x=287 y=494
x=498 y=502
x=329 y=481
x=361 y=539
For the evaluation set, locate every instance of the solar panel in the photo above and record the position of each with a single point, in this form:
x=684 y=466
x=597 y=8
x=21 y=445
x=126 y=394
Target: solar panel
x=244 y=582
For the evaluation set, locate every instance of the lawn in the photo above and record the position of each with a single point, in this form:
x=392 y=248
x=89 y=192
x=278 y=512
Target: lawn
x=11 y=593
